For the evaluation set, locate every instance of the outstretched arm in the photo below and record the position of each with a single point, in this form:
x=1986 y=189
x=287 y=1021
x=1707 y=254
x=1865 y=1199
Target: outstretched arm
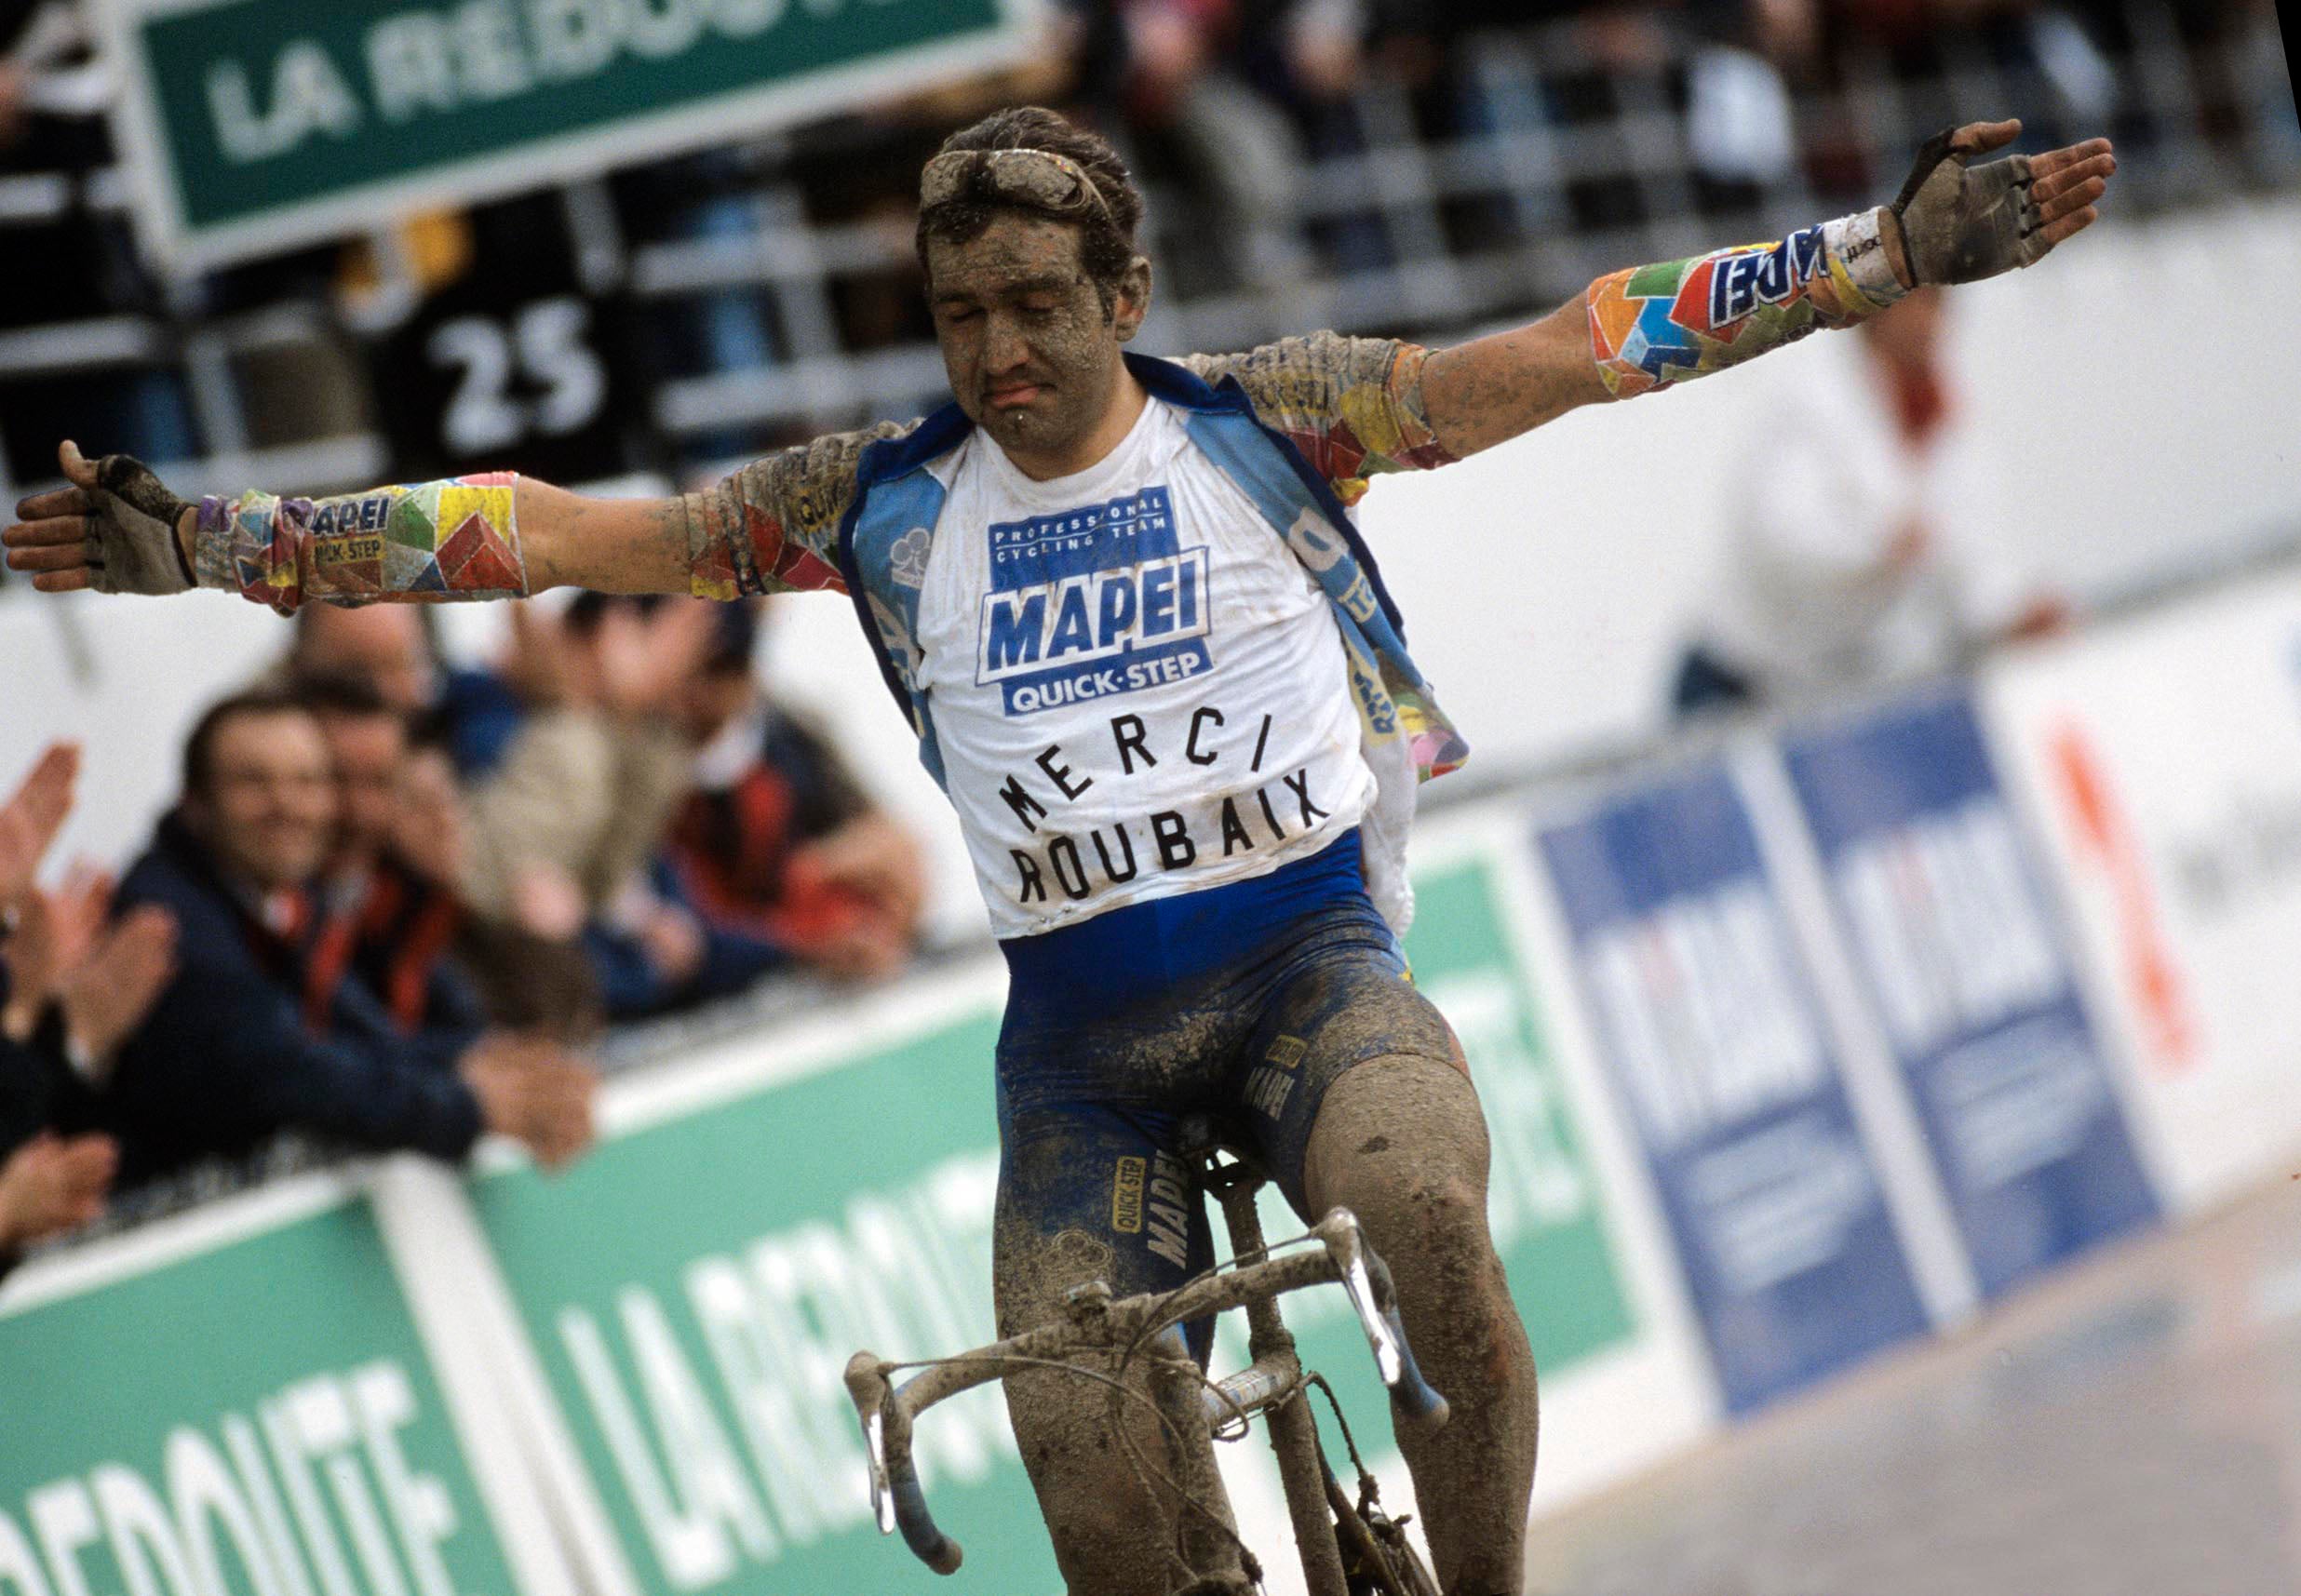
x=1643 y=328
x=117 y=528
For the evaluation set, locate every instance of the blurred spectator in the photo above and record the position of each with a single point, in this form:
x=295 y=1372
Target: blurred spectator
x=393 y=923
x=1182 y=71
x=563 y=827
x=244 y=1043
x=777 y=842
x=529 y=967
x=394 y=649
x=69 y=992
x=1740 y=125
x=530 y=977
x=1861 y=530
x=75 y=259
x=774 y=858
x=388 y=648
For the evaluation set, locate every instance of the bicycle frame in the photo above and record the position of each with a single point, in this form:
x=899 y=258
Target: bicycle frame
x=1271 y=1384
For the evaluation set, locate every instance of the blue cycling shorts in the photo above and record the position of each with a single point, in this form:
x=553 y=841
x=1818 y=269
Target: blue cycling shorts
x=1245 y=1003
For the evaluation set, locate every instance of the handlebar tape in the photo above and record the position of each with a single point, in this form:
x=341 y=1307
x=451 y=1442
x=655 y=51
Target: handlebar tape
x=930 y=1545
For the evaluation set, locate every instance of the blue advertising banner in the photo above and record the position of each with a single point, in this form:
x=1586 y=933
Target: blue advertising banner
x=1971 y=980
x=1715 y=1043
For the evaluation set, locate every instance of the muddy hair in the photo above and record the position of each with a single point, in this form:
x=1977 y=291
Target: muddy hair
x=1106 y=241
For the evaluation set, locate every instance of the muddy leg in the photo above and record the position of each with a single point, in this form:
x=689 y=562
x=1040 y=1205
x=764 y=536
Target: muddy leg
x=1401 y=1141
x=1114 y=1534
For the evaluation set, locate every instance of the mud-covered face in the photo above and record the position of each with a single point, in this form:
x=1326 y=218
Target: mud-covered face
x=1031 y=351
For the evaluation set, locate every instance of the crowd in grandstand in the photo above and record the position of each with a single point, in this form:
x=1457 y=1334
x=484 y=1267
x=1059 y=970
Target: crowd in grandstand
x=1241 y=107
x=397 y=898
x=393 y=903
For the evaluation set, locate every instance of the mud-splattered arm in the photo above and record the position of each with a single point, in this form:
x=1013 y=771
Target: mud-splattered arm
x=773 y=526
x=117 y=528
x=1352 y=406
x=1634 y=331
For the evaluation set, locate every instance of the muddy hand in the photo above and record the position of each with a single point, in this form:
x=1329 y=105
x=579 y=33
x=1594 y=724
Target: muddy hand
x=113 y=530
x=1961 y=222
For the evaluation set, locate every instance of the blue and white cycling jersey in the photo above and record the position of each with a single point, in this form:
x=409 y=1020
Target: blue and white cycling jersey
x=1137 y=691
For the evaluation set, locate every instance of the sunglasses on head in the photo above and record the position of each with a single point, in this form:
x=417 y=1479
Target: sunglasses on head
x=1036 y=178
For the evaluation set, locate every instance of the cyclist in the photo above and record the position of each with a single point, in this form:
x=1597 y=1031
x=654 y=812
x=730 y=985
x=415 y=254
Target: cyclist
x=1122 y=604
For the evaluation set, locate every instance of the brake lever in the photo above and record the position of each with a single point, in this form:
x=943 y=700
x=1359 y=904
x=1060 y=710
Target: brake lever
x=867 y=1388
x=1367 y=1284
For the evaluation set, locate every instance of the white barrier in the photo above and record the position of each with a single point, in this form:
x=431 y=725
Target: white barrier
x=2160 y=759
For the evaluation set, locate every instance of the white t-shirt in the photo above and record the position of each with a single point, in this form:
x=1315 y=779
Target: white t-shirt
x=1137 y=688
x=1810 y=599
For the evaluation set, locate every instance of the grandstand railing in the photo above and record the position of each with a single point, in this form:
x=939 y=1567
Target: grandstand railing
x=1563 y=174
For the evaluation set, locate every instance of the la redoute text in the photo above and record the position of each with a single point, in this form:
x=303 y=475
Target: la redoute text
x=438 y=59
x=311 y=1490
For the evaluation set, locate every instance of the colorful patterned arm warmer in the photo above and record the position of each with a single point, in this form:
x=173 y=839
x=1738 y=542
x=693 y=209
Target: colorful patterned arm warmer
x=1652 y=325
x=428 y=541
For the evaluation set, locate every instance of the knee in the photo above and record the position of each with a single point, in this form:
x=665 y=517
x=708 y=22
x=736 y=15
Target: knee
x=1427 y=1217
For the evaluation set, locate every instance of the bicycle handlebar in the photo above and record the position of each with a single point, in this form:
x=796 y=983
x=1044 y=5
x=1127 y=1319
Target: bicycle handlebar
x=886 y=1410
x=897 y=1500
x=930 y=1545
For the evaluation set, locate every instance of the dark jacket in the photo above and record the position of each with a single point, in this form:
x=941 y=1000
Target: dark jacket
x=403 y=947
x=39 y=1091
x=228 y=1056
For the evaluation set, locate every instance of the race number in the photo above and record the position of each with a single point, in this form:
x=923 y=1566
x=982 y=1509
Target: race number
x=516 y=364
x=546 y=347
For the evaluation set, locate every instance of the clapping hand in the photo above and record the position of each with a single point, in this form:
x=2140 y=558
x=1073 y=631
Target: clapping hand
x=51 y=1184
x=107 y=997
x=31 y=816
x=534 y=1092
x=55 y=932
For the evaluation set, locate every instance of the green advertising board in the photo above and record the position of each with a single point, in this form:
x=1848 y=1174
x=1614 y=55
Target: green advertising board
x=694 y=1286
x=226 y=1408
x=255 y=124
x=1542 y=1201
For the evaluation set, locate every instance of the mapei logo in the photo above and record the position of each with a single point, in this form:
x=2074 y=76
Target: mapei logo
x=1740 y=283
x=1092 y=603
x=338 y=517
